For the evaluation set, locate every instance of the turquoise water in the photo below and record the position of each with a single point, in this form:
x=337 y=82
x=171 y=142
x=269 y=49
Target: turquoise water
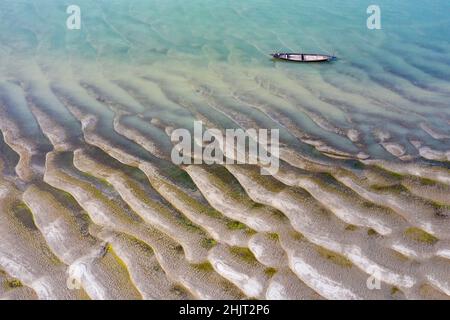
x=211 y=57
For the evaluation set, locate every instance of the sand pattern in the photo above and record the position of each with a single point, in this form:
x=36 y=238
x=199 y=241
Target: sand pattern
x=92 y=207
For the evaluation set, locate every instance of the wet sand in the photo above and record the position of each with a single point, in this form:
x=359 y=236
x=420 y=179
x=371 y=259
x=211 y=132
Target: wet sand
x=88 y=192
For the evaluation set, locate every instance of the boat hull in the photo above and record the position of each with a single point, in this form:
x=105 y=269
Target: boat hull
x=303 y=57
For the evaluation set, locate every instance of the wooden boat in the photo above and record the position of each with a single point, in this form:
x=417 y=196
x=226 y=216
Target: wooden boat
x=303 y=57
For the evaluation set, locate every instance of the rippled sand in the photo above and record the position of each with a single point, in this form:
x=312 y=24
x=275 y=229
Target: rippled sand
x=89 y=195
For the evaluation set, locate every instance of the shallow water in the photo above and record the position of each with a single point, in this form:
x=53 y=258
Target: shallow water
x=390 y=80
x=364 y=178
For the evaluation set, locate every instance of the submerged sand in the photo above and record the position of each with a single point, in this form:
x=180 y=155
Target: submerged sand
x=90 y=180
x=92 y=207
